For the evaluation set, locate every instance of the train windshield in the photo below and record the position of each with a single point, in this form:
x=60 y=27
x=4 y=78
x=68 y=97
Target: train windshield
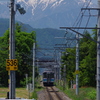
x=44 y=75
x=52 y=75
x=49 y=75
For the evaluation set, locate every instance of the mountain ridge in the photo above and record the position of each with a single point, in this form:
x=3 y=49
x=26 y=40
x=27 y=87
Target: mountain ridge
x=45 y=38
x=42 y=34
x=47 y=13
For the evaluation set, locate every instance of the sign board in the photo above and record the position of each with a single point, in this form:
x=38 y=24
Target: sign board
x=11 y=64
x=77 y=72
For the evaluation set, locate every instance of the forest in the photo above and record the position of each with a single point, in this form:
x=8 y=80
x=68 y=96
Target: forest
x=87 y=61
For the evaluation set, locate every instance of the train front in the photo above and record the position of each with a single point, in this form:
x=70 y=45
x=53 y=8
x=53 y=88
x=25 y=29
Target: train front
x=48 y=78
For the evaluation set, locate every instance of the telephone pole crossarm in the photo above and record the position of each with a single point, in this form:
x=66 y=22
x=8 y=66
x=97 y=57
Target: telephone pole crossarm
x=84 y=36
x=71 y=28
x=61 y=44
x=63 y=47
x=90 y=8
x=79 y=28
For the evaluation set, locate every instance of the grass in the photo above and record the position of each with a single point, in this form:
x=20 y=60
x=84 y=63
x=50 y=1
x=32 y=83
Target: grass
x=3 y=92
x=20 y=92
x=37 y=88
x=83 y=94
x=88 y=93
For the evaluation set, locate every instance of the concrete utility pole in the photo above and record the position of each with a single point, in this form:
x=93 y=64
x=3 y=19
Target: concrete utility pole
x=12 y=62
x=60 y=54
x=64 y=77
x=12 y=49
x=57 y=61
x=33 y=64
x=26 y=80
x=98 y=55
x=77 y=63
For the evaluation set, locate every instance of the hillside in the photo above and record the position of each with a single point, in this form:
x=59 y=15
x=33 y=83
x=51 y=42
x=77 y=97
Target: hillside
x=44 y=37
x=4 y=25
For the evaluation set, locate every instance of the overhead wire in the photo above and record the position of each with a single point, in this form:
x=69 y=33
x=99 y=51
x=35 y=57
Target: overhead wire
x=89 y=16
x=79 y=21
x=82 y=14
x=87 y=22
x=71 y=34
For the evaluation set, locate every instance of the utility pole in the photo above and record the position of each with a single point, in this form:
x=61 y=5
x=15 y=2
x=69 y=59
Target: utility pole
x=33 y=64
x=12 y=49
x=57 y=65
x=12 y=63
x=64 y=77
x=98 y=55
x=26 y=80
x=77 y=63
x=59 y=61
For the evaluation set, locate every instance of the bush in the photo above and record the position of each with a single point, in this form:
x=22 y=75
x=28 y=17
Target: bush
x=34 y=95
x=92 y=95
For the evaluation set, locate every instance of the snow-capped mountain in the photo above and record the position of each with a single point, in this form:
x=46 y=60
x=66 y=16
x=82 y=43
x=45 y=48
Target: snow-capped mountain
x=47 y=13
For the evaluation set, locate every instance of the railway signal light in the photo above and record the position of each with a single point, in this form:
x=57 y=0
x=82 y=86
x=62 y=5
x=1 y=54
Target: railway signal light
x=20 y=9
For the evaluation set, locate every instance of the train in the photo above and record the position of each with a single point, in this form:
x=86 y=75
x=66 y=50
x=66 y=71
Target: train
x=48 y=78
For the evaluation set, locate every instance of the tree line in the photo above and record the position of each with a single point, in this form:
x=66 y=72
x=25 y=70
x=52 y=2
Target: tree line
x=23 y=52
x=87 y=61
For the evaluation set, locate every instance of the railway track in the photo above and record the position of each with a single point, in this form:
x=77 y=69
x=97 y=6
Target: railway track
x=53 y=94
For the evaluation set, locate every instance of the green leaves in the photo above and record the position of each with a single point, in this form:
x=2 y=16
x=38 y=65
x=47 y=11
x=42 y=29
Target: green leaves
x=23 y=52
x=87 y=61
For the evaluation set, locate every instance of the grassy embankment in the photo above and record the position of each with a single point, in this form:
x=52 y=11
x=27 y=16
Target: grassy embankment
x=20 y=92
x=86 y=93
x=38 y=87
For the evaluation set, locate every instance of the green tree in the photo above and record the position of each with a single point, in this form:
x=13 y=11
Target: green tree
x=24 y=46
x=68 y=59
x=4 y=46
x=23 y=51
x=88 y=61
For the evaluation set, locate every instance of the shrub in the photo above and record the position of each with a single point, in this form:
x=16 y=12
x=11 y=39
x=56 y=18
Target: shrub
x=34 y=95
x=92 y=95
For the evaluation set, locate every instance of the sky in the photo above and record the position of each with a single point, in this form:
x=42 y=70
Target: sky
x=94 y=1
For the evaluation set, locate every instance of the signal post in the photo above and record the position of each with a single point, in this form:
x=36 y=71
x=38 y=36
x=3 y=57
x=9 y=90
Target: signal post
x=11 y=61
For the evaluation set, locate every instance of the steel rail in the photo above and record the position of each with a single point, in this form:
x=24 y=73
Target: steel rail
x=57 y=95
x=50 y=96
